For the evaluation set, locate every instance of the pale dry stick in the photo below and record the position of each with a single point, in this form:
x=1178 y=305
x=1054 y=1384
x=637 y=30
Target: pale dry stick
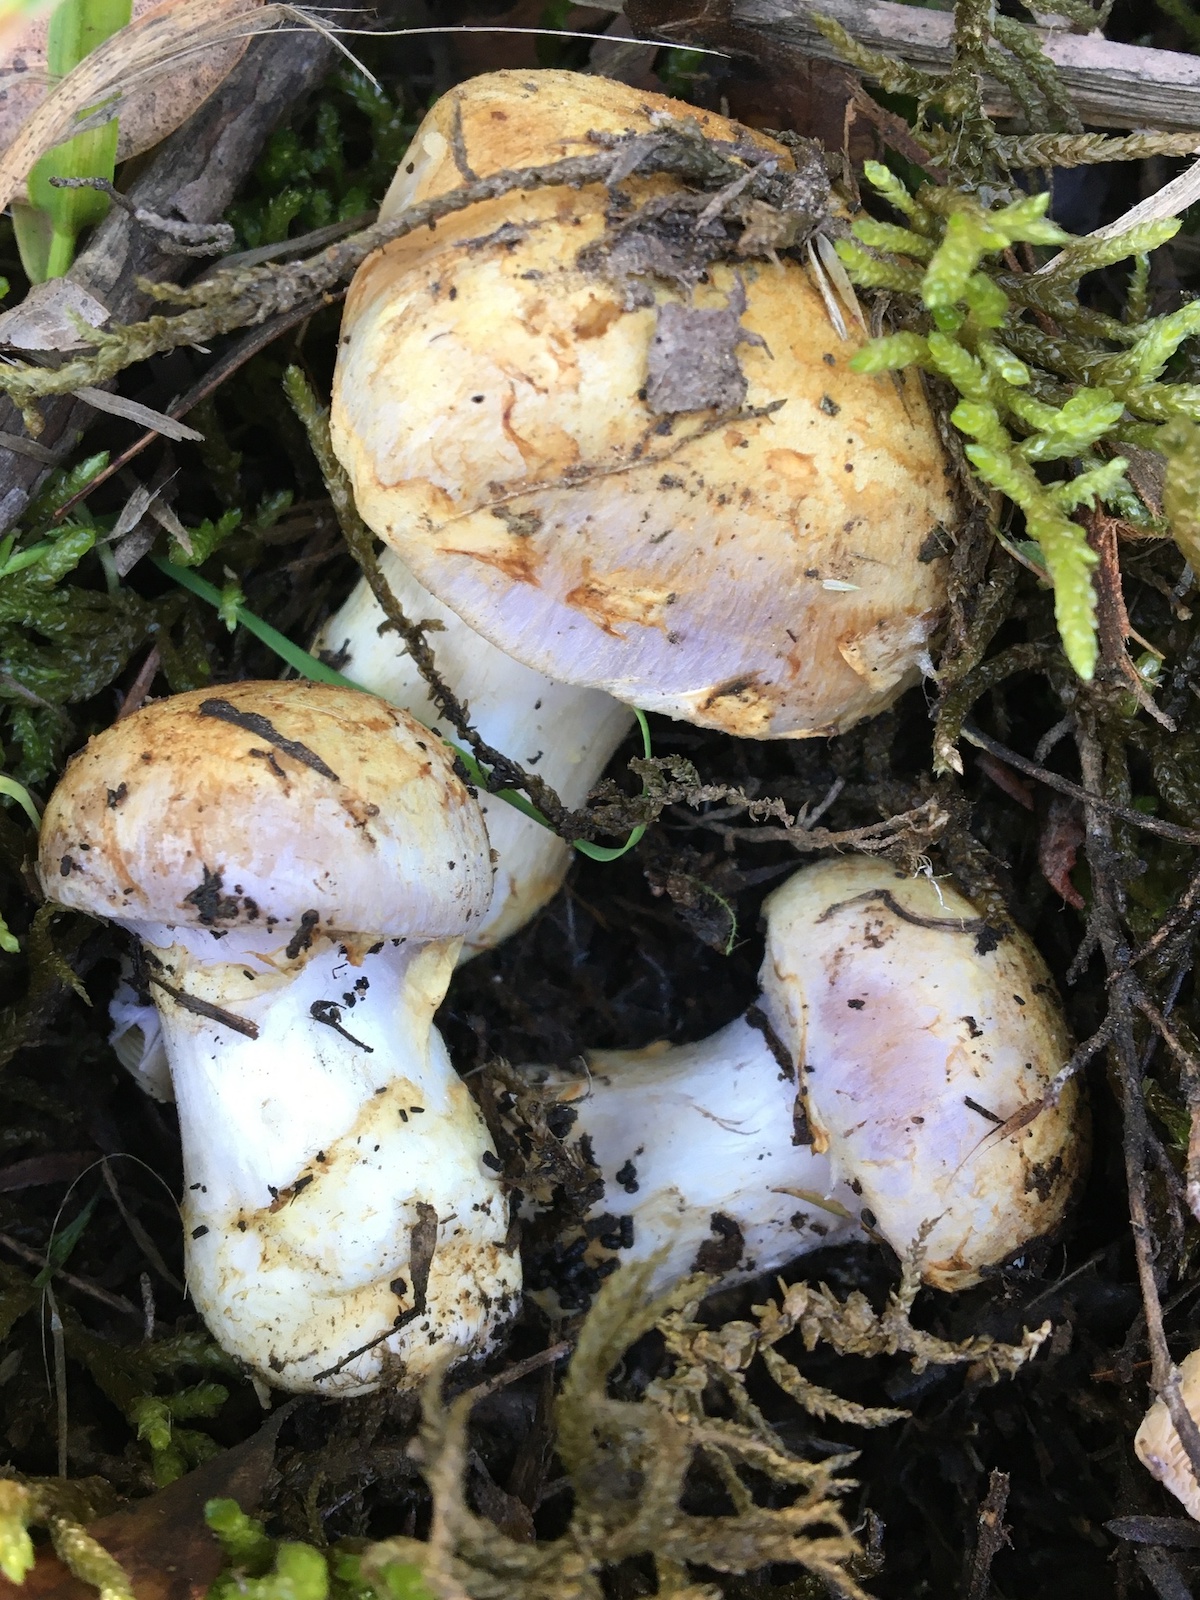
x=1112 y=85
x=1135 y=1127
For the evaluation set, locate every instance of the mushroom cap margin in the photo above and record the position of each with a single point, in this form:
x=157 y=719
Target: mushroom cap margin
x=920 y=1035
x=254 y=805
x=1159 y=1448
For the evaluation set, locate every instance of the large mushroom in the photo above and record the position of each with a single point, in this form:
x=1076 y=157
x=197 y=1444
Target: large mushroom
x=615 y=433
x=300 y=864
x=890 y=1078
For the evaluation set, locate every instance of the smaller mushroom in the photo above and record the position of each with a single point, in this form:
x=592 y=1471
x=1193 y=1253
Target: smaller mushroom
x=300 y=864
x=1159 y=1448
x=891 y=1077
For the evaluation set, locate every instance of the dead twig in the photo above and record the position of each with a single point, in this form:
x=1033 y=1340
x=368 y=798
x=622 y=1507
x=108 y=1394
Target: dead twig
x=1052 y=780
x=1124 y=997
x=993 y=1535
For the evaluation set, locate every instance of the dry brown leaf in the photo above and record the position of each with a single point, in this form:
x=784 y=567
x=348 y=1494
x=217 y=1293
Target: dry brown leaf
x=163 y=1542
x=156 y=72
x=1058 y=847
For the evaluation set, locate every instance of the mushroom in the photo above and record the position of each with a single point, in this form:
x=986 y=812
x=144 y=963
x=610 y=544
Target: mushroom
x=565 y=734
x=300 y=864
x=891 y=1076
x=615 y=433
x=1159 y=1448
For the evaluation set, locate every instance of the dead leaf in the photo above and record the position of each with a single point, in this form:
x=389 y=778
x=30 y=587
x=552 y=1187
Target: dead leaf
x=154 y=73
x=163 y=1542
x=45 y=319
x=1058 y=847
x=693 y=362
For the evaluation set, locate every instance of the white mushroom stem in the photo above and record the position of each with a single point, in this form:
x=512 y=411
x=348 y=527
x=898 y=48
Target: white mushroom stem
x=695 y=1143
x=565 y=734
x=898 y=1077
x=336 y=1198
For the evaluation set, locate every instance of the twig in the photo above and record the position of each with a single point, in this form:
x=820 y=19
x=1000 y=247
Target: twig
x=35 y=1258
x=1136 y=819
x=1112 y=85
x=521 y=1369
x=246 y=347
x=141 y=1238
x=242 y=297
x=140 y=687
x=1124 y=994
x=993 y=1535
x=1171 y=923
x=505 y=773
x=178 y=238
x=927 y=818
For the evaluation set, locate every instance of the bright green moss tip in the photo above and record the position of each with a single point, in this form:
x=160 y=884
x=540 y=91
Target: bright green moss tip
x=1028 y=400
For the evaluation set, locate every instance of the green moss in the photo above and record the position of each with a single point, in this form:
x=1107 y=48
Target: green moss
x=978 y=343
x=332 y=164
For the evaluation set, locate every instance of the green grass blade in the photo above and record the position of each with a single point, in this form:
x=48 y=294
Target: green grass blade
x=308 y=666
x=48 y=227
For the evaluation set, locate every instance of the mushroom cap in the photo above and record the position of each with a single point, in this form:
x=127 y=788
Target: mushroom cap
x=1159 y=1448
x=768 y=575
x=256 y=805
x=921 y=1035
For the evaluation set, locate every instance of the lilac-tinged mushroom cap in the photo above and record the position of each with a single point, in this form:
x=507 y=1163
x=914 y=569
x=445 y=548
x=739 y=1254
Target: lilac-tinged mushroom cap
x=629 y=475
x=926 y=1042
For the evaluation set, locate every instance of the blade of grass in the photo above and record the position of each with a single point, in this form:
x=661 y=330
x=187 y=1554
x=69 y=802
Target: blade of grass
x=613 y=852
x=18 y=792
x=48 y=226
x=308 y=666
x=58 y=1251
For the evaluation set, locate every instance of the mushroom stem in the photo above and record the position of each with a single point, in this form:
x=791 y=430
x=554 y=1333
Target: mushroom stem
x=336 y=1196
x=567 y=734
x=900 y=1074
x=701 y=1138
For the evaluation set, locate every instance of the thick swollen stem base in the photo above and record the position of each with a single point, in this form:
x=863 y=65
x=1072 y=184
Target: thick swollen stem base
x=342 y=1223
x=699 y=1148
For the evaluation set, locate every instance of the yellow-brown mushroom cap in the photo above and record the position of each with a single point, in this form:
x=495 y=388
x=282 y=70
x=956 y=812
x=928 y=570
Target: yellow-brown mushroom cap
x=767 y=572
x=279 y=806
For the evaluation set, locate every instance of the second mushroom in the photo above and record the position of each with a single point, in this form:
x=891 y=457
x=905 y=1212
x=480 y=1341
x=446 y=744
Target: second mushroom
x=299 y=864
x=612 y=440
x=890 y=1082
